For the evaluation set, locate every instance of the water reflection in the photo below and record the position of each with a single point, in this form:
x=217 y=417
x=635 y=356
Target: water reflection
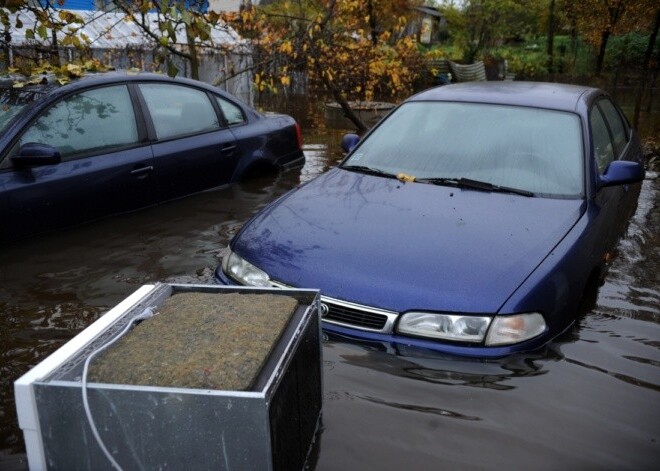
x=53 y=286
x=431 y=367
x=589 y=400
x=422 y=409
x=633 y=286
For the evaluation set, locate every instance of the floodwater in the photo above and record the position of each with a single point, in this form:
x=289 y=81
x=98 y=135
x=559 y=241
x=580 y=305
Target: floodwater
x=590 y=400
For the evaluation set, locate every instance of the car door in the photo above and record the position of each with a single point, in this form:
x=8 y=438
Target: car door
x=611 y=141
x=104 y=168
x=625 y=148
x=193 y=149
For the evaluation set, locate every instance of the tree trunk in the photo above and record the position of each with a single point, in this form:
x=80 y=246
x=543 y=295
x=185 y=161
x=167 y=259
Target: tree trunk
x=551 y=37
x=194 y=58
x=339 y=98
x=645 y=69
x=600 y=59
x=614 y=13
x=329 y=86
x=6 y=48
x=372 y=23
x=55 y=50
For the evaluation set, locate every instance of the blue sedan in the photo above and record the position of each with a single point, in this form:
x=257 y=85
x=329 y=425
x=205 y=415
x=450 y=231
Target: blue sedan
x=471 y=220
x=117 y=142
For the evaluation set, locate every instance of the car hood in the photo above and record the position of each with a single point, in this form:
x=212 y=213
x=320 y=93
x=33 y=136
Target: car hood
x=401 y=246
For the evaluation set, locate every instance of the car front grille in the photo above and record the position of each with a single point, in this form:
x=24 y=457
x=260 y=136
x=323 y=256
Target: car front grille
x=357 y=316
x=354 y=317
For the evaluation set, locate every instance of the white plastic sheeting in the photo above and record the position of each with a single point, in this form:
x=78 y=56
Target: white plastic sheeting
x=119 y=41
x=109 y=30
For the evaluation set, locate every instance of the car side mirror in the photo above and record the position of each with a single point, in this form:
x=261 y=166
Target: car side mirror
x=622 y=172
x=36 y=154
x=349 y=141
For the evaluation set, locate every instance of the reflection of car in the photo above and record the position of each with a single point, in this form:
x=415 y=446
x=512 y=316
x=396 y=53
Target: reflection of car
x=471 y=220
x=117 y=142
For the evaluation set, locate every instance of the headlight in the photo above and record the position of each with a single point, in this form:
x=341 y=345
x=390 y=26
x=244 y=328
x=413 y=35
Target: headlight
x=507 y=330
x=444 y=326
x=504 y=330
x=243 y=271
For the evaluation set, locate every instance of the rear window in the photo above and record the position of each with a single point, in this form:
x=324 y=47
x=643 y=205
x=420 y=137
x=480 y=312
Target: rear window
x=178 y=110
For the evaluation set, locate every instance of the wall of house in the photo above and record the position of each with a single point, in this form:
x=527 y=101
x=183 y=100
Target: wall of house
x=75 y=4
x=106 y=5
x=225 y=5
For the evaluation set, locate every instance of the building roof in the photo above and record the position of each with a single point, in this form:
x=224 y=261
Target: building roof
x=111 y=30
x=431 y=11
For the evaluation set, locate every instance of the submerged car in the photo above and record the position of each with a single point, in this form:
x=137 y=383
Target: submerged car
x=470 y=220
x=115 y=142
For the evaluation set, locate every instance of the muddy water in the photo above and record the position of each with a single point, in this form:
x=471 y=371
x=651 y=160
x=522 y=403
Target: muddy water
x=590 y=400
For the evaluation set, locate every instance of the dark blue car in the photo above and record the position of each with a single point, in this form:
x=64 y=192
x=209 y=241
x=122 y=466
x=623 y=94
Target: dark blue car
x=471 y=220
x=117 y=142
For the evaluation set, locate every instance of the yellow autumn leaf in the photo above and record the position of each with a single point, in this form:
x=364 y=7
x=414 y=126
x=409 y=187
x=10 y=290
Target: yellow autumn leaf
x=286 y=47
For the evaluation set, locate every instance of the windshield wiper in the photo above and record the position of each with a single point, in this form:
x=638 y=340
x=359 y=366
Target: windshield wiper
x=438 y=181
x=479 y=185
x=369 y=170
x=475 y=184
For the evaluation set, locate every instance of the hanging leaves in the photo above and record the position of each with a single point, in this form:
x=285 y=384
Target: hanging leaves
x=354 y=46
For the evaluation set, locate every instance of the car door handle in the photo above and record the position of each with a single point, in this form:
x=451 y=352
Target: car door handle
x=142 y=170
x=228 y=148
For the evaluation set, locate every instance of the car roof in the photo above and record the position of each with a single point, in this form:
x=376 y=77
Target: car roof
x=49 y=89
x=91 y=79
x=555 y=96
x=49 y=85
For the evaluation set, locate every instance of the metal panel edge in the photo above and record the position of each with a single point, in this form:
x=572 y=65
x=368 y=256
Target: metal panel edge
x=26 y=407
x=162 y=389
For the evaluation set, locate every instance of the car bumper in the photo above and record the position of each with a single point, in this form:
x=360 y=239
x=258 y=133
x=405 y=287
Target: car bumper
x=398 y=341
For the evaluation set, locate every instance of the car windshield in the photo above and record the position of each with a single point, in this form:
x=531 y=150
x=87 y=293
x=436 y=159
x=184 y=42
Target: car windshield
x=13 y=100
x=535 y=150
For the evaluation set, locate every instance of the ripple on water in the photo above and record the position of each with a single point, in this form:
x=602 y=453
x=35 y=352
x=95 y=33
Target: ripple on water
x=632 y=287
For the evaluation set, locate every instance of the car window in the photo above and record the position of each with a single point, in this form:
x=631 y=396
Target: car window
x=617 y=125
x=13 y=100
x=177 y=110
x=531 y=149
x=602 y=142
x=233 y=114
x=87 y=122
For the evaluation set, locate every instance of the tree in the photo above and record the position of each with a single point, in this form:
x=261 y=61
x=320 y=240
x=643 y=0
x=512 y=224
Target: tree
x=180 y=28
x=352 y=49
x=483 y=24
x=599 y=20
x=49 y=22
x=645 y=67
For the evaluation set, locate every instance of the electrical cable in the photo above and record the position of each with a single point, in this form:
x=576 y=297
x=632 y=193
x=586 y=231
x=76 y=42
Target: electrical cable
x=145 y=314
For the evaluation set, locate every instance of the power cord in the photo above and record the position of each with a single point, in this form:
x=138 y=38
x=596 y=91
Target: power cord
x=146 y=314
